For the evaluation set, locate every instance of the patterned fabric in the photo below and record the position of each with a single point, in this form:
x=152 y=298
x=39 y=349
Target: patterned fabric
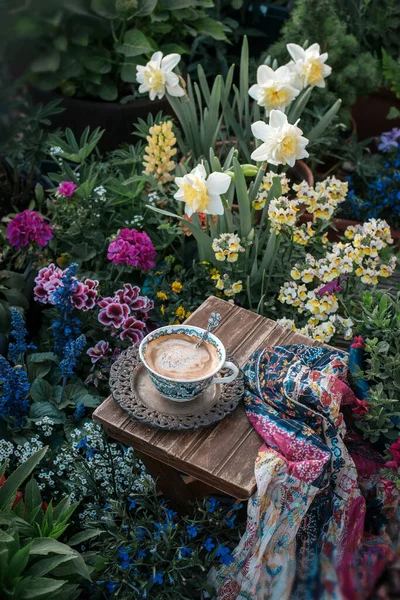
x=316 y=526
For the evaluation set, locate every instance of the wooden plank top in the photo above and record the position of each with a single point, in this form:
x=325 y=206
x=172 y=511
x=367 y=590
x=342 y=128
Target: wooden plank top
x=222 y=455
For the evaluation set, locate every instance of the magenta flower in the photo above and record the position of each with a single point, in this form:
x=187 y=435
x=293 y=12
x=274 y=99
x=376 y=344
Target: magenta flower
x=132 y=248
x=49 y=279
x=358 y=342
x=133 y=330
x=332 y=286
x=28 y=226
x=100 y=350
x=361 y=407
x=66 y=188
x=112 y=313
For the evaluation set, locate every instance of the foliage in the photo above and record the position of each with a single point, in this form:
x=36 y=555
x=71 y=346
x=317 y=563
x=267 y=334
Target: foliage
x=374 y=180
x=377 y=315
x=355 y=69
x=391 y=72
x=34 y=562
x=90 y=48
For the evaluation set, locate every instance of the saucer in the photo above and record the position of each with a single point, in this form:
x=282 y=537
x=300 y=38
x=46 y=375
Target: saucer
x=132 y=388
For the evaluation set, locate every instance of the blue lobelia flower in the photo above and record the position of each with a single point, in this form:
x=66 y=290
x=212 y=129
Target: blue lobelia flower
x=141 y=554
x=72 y=351
x=158 y=578
x=185 y=552
x=132 y=503
x=111 y=586
x=225 y=557
x=192 y=531
x=209 y=544
x=15 y=386
x=212 y=504
x=17 y=349
x=79 y=412
x=231 y=522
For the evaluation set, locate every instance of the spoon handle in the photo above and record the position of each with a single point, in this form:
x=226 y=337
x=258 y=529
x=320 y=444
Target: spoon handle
x=213 y=322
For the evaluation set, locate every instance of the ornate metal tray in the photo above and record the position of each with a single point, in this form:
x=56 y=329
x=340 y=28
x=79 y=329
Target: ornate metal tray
x=131 y=387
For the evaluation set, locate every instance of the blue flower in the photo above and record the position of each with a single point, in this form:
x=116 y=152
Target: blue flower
x=170 y=514
x=158 y=578
x=185 y=551
x=17 y=349
x=225 y=557
x=208 y=544
x=73 y=350
x=132 y=503
x=79 y=412
x=123 y=554
x=231 y=522
x=111 y=586
x=15 y=387
x=192 y=531
x=141 y=554
x=140 y=533
x=212 y=504
x=82 y=443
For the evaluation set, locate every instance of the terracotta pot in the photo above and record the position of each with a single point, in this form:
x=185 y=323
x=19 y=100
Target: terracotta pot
x=117 y=119
x=341 y=225
x=370 y=113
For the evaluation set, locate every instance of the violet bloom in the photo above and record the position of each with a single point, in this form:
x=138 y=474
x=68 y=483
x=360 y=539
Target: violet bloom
x=66 y=188
x=28 y=226
x=389 y=139
x=132 y=248
x=133 y=330
x=99 y=351
x=130 y=295
x=332 y=286
x=112 y=313
x=85 y=295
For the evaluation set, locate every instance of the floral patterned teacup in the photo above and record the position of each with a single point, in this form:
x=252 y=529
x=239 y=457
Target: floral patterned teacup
x=182 y=390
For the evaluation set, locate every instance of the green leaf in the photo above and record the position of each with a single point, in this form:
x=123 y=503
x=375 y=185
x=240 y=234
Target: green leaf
x=128 y=72
x=41 y=357
x=135 y=43
x=145 y=7
x=61 y=43
x=44 y=546
x=32 y=496
x=47 y=62
x=99 y=63
x=176 y=4
x=41 y=390
x=108 y=91
x=84 y=536
x=324 y=122
x=16 y=479
x=39 y=410
x=41 y=587
x=83 y=252
x=44 y=566
x=243 y=200
x=5 y=537
x=210 y=27
x=16 y=298
x=104 y=8
x=5 y=317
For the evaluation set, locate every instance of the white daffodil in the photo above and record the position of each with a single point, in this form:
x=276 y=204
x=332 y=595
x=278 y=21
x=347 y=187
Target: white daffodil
x=274 y=89
x=283 y=142
x=157 y=76
x=309 y=65
x=202 y=193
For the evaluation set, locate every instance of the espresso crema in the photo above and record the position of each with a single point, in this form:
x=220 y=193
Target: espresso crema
x=176 y=356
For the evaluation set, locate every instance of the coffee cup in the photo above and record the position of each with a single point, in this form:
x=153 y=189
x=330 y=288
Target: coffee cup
x=184 y=385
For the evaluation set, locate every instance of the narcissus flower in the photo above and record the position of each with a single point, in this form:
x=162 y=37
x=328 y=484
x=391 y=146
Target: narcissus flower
x=283 y=142
x=202 y=193
x=156 y=77
x=309 y=65
x=274 y=89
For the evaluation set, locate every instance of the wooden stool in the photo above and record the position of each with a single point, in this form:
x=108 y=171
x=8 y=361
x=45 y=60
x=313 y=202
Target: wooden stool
x=222 y=456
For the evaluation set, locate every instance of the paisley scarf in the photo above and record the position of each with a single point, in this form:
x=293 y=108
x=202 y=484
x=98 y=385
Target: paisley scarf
x=316 y=526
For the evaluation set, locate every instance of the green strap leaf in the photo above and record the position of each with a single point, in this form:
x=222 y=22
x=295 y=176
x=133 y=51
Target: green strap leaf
x=17 y=478
x=243 y=200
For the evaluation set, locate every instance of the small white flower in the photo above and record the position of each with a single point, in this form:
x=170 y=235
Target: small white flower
x=156 y=76
x=309 y=65
x=274 y=89
x=283 y=142
x=202 y=193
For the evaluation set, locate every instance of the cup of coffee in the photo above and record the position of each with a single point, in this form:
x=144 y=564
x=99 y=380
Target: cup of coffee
x=179 y=370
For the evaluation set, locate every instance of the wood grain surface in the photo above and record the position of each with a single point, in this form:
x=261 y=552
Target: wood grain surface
x=222 y=455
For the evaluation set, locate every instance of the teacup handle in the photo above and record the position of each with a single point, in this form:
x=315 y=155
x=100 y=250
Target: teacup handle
x=229 y=378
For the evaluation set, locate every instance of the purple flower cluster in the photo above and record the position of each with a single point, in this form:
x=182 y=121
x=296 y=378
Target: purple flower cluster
x=125 y=314
x=389 y=139
x=132 y=248
x=28 y=226
x=50 y=279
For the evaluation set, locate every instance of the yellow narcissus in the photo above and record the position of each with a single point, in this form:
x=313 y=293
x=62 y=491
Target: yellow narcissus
x=309 y=65
x=201 y=193
x=274 y=89
x=283 y=142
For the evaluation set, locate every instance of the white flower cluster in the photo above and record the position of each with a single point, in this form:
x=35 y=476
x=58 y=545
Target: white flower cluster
x=47 y=479
x=46 y=425
x=23 y=451
x=266 y=184
x=88 y=461
x=101 y=194
x=227 y=246
x=153 y=198
x=6 y=450
x=55 y=152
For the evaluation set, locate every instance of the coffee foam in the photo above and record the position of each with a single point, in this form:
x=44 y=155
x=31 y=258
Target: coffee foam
x=177 y=357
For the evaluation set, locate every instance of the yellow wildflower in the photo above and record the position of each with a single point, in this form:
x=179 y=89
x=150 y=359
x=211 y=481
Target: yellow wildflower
x=176 y=287
x=232 y=257
x=204 y=262
x=220 y=256
x=214 y=273
x=237 y=287
x=188 y=313
x=160 y=151
x=158 y=272
x=162 y=309
x=229 y=293
x=180 y=312
x=220 y=284
x=162 y=296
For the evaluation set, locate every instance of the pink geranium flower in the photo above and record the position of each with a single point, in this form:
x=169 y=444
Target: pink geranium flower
x=100 y=350
x=132 y=248
x=66 y=188
x=49 y=279
x=28 y=226
x=113 y=313
x=133 y=330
